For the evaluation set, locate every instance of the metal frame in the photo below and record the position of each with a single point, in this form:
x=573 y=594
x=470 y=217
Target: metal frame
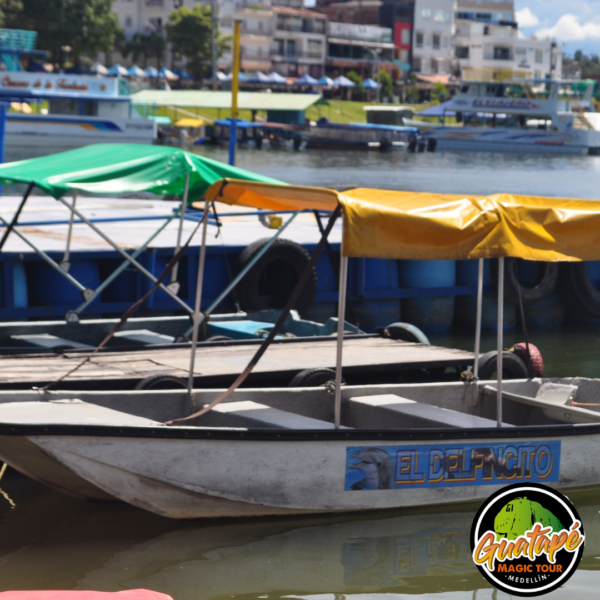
x=65 y=265
x=186 y=190
x=500 y=340
x=340 y=337
x=478 y=319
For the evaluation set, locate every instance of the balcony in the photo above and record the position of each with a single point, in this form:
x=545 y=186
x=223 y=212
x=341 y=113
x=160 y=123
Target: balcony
x=294 y=56
x=256 y=31
x=157 y=3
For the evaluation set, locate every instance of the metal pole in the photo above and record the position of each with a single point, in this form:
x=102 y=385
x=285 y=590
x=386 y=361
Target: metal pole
x=3 y=107
x=201 y=262
x=64 y=263
x=126 y=256
x=16 y=215
x=340 y=339
x=181 y=221
x=122 y=267
x=235 y=84
x=478 y=319
x=500 y=340
x=378 y=79
x=213 y=41
x=242 y=273
x=85 y=291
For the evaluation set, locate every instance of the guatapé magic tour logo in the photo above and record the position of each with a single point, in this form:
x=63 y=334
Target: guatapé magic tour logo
x=527 y=539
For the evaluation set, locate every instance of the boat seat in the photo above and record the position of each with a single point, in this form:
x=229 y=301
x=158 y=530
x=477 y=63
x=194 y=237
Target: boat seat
x=555 y=401
x=68 y=412
x=388 y=411
x=141 y=336
x=250 y=414
x=46 y=340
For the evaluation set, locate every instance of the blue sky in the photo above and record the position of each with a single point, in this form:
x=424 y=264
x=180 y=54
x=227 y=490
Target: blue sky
x=574 y=23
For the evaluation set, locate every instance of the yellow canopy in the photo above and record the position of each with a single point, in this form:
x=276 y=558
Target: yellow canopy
x=189 y=122
x=410 y=225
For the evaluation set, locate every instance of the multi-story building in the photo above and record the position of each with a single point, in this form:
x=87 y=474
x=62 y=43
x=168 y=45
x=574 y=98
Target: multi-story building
x=487 y=45
x=278 y=35
x=360 y=48
x=432 y=36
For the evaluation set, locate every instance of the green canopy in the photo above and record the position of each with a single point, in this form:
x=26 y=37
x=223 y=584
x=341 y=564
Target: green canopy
x=124 y=168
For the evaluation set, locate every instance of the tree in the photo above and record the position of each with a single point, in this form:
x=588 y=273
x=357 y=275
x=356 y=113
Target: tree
x=146 y=45
x=358 y=91
x=189 y=32
x=385 y=81
x=439 y=93
x=71 y=29
x=11 y=13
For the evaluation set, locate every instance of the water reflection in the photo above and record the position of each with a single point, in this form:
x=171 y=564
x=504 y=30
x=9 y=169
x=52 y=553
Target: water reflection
x=50 y=541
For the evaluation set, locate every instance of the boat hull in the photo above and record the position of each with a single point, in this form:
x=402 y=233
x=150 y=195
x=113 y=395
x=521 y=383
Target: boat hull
x=199 y=478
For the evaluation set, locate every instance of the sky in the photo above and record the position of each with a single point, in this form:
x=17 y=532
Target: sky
x=574 y=23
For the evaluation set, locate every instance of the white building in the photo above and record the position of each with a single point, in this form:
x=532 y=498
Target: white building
x=281 y=35
x=432 y=36
x=484 y=51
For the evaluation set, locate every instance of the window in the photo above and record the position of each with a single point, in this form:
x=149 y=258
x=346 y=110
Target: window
x=501 y=53
x=461 y=51
x=291 y=48
x=226 y=21
x=319 y=26
x=419 y=40
x=128 y=21
x=315 y=48
x=177 y=4
x=405 y=37
x=539 y=56
x=426 y=13
x=436 y=41
x=445 y=41
x=277 y=47
x=416 y=64
x=156 y=24
x=537 y=74
x=442 y=16
x=404 y=56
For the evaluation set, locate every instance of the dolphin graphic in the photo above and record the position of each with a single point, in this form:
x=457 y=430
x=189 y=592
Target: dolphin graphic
x=376 y=465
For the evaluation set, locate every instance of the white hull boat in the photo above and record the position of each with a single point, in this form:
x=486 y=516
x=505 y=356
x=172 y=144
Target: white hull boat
x=276 y=452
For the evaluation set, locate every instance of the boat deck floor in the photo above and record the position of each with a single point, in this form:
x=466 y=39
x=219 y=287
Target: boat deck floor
x=219 y=363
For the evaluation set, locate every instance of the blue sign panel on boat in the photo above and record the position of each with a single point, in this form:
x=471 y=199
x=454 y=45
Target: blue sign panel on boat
x=450 y=465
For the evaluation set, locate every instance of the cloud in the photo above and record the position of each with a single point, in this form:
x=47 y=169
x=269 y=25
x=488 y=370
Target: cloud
x=525 y=18
x=569 y=29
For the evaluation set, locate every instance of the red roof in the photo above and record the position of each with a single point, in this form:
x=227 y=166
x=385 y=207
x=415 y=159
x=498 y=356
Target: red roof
x=296 y=12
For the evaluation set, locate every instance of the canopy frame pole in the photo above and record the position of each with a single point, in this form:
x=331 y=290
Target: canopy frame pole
x=340 y=334
x=478 y=319
x=17 y=214
x=73 y=315
x=85 y=292
x=199 y=282
x=64 y=263
x=126 y=256
x=500 y=340
x=180 y=232
x=243 y=272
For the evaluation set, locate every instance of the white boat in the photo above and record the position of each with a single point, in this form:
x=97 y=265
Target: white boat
x=519 y=115
x=255 y=452
x=81 y=110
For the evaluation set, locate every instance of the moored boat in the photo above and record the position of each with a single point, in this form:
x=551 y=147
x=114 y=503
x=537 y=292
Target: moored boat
x=251 y=452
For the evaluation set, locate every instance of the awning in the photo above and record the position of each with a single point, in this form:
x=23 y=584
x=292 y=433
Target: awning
x=123 y=168
x=189 y=122
x=410 y=225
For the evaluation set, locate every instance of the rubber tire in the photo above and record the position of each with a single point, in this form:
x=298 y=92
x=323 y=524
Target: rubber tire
x=313 y=377
x=537 y=362
x=407 y=333
x=540 y=291
x=296 y=258
x=512 y=366
x=217 y=338
x=162 y=382
x=583 y=289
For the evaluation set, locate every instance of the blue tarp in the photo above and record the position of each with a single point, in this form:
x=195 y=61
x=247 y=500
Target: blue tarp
x=370 y=84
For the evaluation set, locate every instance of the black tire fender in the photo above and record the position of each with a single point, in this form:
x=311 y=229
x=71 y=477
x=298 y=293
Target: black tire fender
x=512 y=366
x=583 y=289
x=313 y=377
x=271 y=281
x=406 y=332
x=162 y=382
x=545 y=284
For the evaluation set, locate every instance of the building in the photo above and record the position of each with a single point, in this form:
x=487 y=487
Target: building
x=496 y=51
x=486 y=11
x=278 y=35
x=432 y=36
x=360 y=48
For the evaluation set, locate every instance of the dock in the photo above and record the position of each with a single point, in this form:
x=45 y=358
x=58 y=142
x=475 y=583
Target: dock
x=366 y=358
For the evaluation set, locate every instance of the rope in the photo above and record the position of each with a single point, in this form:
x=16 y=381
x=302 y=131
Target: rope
x=276 y=328
x=129 y=312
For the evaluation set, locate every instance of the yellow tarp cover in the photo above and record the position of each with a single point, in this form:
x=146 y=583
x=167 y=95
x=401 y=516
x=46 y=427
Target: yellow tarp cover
x=189 y=122
x=411 y=225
